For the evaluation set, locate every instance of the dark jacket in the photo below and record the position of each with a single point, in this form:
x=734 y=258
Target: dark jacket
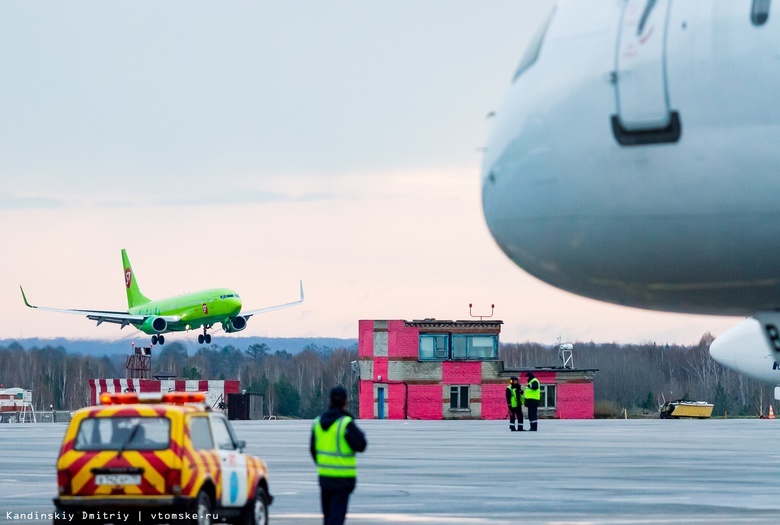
x=355 y=439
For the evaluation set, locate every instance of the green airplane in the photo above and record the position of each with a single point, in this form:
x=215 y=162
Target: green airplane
x=175 y=314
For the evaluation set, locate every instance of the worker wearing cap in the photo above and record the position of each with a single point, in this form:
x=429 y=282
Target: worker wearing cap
x=335 y=438
x=532 y=396
x=514 y=402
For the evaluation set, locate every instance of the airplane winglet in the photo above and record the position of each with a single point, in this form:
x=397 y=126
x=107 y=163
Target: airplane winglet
x=276 y=307
x=25 y=298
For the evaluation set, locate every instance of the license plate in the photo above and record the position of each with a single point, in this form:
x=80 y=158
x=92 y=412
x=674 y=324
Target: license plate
x=117 y=479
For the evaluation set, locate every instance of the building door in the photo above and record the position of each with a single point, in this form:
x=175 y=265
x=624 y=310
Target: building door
x=380 y=409
x=641 y=78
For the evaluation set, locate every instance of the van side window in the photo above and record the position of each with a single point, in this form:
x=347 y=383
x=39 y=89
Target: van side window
x=200 y=434
x=222 y=435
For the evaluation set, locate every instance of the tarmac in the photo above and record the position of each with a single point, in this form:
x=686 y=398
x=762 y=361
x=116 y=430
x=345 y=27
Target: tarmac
x=477 y=472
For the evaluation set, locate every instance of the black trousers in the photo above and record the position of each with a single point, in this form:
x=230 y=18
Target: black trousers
x=334 y=496
x=515 y=413
x=533 y=407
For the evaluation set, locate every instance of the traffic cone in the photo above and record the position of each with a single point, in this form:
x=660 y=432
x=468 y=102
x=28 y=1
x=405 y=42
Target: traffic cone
x=771 y=412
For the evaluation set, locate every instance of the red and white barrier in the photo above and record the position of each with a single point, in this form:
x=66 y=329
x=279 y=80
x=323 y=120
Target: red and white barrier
x=216 y=390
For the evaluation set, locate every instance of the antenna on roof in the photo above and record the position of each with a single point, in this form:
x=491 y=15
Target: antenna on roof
x=481 y=317
x=565 y=353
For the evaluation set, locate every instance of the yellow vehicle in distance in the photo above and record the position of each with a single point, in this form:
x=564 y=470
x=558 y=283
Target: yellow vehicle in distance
x=157 y=458
x=686 y=409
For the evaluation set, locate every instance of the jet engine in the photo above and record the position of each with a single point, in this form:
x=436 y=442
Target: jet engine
x=154 y=325
x=235 y=324
x=752 y=348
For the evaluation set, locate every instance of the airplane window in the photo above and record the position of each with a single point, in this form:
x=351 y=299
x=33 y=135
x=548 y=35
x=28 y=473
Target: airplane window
x=534 y=47
x=642 y=21
x=759 y=13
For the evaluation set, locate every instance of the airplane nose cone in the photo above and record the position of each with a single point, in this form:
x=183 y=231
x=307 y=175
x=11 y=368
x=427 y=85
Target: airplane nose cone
x=546 y=197
x=738 y=344
x=235 y=304
x=721 y=350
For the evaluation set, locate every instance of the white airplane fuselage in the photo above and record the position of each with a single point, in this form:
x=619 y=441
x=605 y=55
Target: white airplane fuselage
x=636 y=159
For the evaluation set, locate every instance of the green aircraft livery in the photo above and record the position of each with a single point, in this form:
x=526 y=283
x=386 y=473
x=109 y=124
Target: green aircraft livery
x=185 y=312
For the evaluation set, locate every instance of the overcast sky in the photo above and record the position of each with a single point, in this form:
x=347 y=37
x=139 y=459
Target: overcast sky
x=252 y=144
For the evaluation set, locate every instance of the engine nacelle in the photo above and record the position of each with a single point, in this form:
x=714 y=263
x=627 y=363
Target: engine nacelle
x=236 y=324
x=154 y=325
x=752 y=348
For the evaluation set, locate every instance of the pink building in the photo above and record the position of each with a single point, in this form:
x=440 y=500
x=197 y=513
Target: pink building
x=432 y=369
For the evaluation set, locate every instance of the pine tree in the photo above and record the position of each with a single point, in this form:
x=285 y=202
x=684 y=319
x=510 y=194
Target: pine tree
x=289 y=400
x=721 y=404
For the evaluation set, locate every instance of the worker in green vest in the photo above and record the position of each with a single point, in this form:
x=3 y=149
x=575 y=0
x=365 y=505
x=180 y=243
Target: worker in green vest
x=532 y=394
x=514 y=402
x=335 y=438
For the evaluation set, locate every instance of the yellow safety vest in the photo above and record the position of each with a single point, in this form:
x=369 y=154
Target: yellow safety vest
x=530 y=393
x=335 y=458
x=513 y=398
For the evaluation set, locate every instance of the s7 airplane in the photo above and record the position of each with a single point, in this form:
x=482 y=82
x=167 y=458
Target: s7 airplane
x=175 y=314
x=634 y=160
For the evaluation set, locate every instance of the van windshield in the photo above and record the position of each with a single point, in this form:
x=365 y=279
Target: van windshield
x=103 y=433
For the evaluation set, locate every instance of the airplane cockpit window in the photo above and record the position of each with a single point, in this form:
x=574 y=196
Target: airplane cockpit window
x=759 y=13
x=534 y=47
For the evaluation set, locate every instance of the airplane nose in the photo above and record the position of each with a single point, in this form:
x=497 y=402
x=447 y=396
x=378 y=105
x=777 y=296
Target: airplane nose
x=721 y=351
x=738 y=343
x=235 y=304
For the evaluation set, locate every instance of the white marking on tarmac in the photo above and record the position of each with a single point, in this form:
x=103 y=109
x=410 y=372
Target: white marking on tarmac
x=15 y=496
x=392 y=518
x=32 y=474
x=649 y=521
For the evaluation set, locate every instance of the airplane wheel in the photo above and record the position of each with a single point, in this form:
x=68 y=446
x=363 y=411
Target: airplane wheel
x=154 y=339
x=208 y=339
x=161 y=339
x=200 y=339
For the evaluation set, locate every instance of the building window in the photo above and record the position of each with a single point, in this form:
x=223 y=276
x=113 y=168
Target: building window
x=474 y=347
x=459 y=397
x=434 y=346
x=547 y=393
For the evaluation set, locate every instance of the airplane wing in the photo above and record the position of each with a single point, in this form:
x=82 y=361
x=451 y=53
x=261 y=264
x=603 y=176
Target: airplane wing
x=272 y=308
x=102 y=316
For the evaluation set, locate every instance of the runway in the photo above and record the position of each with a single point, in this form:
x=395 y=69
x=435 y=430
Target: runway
x=477 y=472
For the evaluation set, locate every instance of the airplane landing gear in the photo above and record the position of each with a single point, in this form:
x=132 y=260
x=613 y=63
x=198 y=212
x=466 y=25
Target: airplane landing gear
x=158 y=339
x=204 y=337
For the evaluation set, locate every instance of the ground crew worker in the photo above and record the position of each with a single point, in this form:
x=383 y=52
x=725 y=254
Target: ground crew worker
x=334 y=440
x=514 y=402
x=532 y=396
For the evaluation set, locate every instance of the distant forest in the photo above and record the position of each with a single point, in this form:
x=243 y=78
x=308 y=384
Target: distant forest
x=633 y=377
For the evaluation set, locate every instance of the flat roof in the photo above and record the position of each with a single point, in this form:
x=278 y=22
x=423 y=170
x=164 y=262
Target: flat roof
x=446 y=323
x=548 y=369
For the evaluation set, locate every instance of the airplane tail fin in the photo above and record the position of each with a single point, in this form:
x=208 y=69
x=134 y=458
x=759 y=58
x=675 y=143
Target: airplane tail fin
x=134 y=295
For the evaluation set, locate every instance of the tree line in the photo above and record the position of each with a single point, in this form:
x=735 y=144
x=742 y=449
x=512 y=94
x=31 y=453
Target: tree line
x=643 y=376
x=635 y=377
